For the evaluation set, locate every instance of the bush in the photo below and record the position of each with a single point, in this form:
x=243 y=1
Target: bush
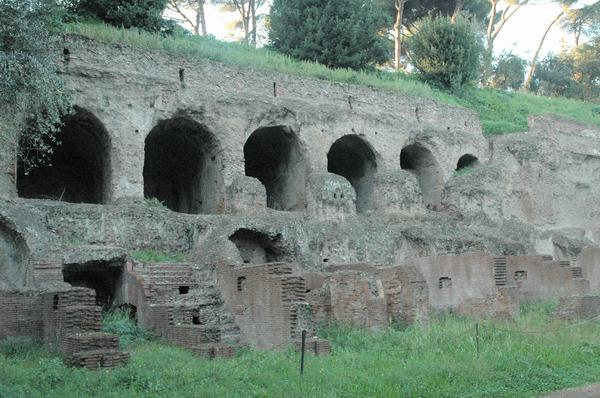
x=446 y=54
x=143 y=14
x=336 y=33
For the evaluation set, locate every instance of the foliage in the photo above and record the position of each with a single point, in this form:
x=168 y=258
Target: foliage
x=143 y=14
x=554 y=76
x=525 y=358
x=335 y=33
x=119 y=322
x=154 y=202
x=574 y=74
x=509 y=72
x=500 y=112
x=587 y=69
x=32 y=96
x=446 y=54
x=151 y=256
x=23 y=347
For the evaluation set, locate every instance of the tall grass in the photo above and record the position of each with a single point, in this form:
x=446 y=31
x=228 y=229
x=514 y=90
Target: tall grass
x=500 y=112
x=525 y=358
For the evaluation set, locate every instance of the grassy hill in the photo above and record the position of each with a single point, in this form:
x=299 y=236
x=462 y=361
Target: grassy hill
x=525 y=358
x=500 y=112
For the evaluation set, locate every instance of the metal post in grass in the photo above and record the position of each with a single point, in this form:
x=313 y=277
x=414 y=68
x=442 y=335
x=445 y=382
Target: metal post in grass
x=274 y=89
x=302 y=347
x=477 y=338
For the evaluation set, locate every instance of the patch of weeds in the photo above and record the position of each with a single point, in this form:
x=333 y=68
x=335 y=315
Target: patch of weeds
x=151 y=256
x=19 y=346
x=463 y=171
x=74 y=240
x=119 y=322
x=154 y=202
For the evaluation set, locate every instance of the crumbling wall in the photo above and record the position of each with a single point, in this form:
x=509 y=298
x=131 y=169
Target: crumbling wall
x=267 y=302
x=15 y=270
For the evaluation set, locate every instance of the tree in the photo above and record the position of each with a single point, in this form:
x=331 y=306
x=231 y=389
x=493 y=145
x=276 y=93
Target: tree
x=583 y=21
x=143 y=14
x=554 y=77
x=336 y=33
x=445 y=53
x=198 y=23
x=509 y=72
x=496 y=20
x=587 y=69
x=405 y=13
x=248 y=10
x=32 y=97
x=565 y=8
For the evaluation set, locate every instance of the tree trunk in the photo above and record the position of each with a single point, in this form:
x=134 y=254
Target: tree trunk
x=201 y=17
x=253 y=17
x=457 y=9
x=537 y=52
x=490 y=29
x=398 y=32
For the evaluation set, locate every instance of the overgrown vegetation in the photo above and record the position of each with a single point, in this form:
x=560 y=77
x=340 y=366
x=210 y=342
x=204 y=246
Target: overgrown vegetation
x=525 y=358
x=119 y=321
x=32 y=97
x=500 y=112
x=152 y=256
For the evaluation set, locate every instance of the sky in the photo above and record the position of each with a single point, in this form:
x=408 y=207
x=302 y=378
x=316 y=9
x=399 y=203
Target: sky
x=520 y=35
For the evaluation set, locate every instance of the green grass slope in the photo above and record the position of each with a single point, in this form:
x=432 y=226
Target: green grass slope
x=525 y=358
x=500 y=112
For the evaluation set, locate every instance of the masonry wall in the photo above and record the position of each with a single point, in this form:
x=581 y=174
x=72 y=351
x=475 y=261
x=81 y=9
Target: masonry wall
x=231 y=103
x=540 y=278
x=266 y=301
x=20 y=315
x=453 y=279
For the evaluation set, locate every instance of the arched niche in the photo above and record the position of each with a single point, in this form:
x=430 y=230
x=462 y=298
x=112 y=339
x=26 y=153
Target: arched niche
x=182 y=167
x=467 y=161
x=274 y=156
x=353 y=158
x=256 y=247
x=419 y=160
x=78 y=169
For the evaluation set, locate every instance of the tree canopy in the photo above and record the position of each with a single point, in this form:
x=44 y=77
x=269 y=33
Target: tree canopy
x=32 y=97
x=336 y=33
x=143 y=14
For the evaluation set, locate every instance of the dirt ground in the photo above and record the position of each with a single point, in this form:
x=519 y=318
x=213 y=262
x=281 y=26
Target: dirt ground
x=591 y=391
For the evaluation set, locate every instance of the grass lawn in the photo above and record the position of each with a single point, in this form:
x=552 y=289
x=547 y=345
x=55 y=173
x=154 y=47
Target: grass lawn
x=500 y=112
x=527 y=357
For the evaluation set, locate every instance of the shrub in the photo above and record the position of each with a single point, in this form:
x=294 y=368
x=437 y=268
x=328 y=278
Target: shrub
x=446 y=54
x=143 y=14
x=336 y=33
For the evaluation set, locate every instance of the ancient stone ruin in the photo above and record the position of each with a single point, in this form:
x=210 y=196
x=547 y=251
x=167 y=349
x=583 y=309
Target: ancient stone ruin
x=324 y=203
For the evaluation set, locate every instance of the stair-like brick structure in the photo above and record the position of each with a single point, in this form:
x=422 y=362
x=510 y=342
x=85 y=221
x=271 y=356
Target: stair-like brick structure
x=500 y=271
x=72 y=324
x=185 y=312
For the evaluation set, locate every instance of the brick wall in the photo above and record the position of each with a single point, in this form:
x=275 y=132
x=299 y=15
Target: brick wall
x=264 y=301
x=20 y=314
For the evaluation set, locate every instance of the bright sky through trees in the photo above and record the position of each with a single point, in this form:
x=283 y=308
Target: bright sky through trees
x=521 y=34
